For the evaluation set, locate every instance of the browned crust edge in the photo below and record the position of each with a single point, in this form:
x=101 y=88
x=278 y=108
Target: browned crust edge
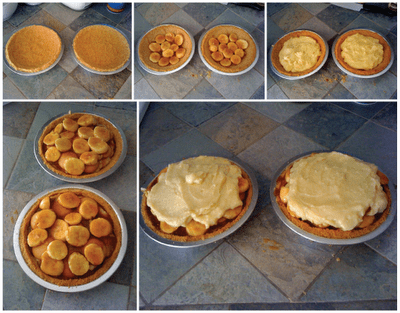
x=381 y=66
x=148 y=217
x=330 y=232
x=101 y=121
x=279 y=45
x=31 y=261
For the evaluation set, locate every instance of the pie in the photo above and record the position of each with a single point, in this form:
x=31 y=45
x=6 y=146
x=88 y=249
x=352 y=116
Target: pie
x=80 y=145
x=101 y=48
x=33 y=49
x=298 y=53
x=70 y=237
x=165 y=48
x=196 y=198
x=333 y=195
x=362 y=52
x=228 y=48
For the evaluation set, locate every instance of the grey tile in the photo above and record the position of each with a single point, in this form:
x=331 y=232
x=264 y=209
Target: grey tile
x=250 y=14
x=204 y=90
x=115 y=17
x=18 y=118
x=314 y=8
x=126 y=22
x=68 y=61
x=11 y=148
x=278 y=111
x=337 y=17
x=126 y=90
x=275 y=92
x=69 y=88
x=388 y=116
x=274 y=32
x=23 y=13
x=62 y=13
x=260 y=93
x=270 y=81
x=132 y=304
x=10 y=91
x=141 y=26
x=204 y=13
x=384 y=20
x=44 y=18
x=137 y=75
x=90 y=17
x=339 y=92
x=228 y=17
x=363 y=22
x=321 y=28
x=291 y=17
x=186 y=21
x=156 y=13
x=259 y=37
x=143 y=90
x=273 y=8
x=365 y=109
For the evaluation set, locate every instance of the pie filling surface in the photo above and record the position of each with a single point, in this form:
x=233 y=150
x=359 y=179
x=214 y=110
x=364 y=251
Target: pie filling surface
x=70 y=237
x=33 y=49
x=333 y=195
x=101 y=48
x=196 y=198
x=80 y=145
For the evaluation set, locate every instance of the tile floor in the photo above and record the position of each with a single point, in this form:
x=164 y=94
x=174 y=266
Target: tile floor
x=23 y=178
x=195 y=81
x=67 y=80
x=330 y=82
x=265 y=265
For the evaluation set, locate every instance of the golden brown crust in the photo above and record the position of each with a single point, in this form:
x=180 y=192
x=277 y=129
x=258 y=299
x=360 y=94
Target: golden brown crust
x=101 y=121
x=144 y=51
x=331 y=232
x=181 y=235
x=101 y=48
x=250 y=52
x=382 y=41
x=33 y=49
x=100 y=270
x=279 y=45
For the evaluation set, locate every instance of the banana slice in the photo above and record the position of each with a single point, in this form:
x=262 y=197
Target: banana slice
x=160 y=38
x=213 y=48
x=242 y=44
x=68 y=200
x=65 y=156
x=98 y=242
x=180 y=53
x=174 y=47
x=43 y=219
x=45 y=203
x=213 y=42
x=39 y=250
x=102 y=133
x=217 y=56
x=103 y=213
x=57 y=250
x=223 y=38
x=70 y=125
x=50 y=266
x=166 y=228
x=165 y=45
x=87 y=120
x=50 y=138
x=80 y=146
x=59 y=128
x=232 y=46
x=89 y=158
x=235 y=59
x=233 y=37
x=173 y=60
x=169 y=37
x=77 y=235
x=222 y=47
x=98 y=145
x=155 y=57
x=194 y=228
x=94 y=254
x=36 y=237
x=239 y=52
x=104 y=162
x=155 y=47
x=163 y=62
x=74 y=166
x=226 y=62
x=63 y=144
x=243 y=184
x=67 y=134
x=178 y=39
x=168 y=53
x=85 y=132
x=52 y=154
x=89 y=169
x=100 y=227
x=59 y=230
x=230 y=214
x=108 y=154
x=78 y=264
x=60 y=210
x=227 y=53
x=88 y=208
x=67 y=272
x=109 y=244
x=73 y=218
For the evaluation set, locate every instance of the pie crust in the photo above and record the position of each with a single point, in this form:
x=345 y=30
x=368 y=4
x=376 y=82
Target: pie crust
x=101 y=48
x=149 y=37
x=33 y=49
x=380 y=67
x=116 y=142
x=250 y=51
x=279 y=45
x=332 y=232
x=180 y=234
x=112 y=241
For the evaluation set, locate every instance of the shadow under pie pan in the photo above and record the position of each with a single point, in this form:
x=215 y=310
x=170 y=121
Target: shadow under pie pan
x=379 y=230
x=358 y=73
x=188 y=244
x=120 y=152
x=274 y=58
x=108 y=271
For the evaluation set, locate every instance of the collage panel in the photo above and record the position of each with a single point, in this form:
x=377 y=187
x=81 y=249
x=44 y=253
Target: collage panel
x=69 y=232
x=339 y=70
x=262 y=260
x=67 y=51
x=194 y=68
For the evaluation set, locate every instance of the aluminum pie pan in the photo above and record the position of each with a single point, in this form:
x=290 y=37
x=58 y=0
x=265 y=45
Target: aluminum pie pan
x=229 y=231
x=35 y=73
x=358 y=75
x=221 y=72
x=276 y=72
x=70 y=289
x=144 y=67
x=324 y=240
x=126 y=64
x=87 y=179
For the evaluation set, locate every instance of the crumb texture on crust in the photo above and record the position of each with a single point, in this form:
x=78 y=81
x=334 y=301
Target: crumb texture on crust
x=33 y=48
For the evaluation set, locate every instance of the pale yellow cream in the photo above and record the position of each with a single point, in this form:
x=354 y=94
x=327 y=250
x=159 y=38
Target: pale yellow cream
x=334 y=189
x=200 y=188
x=362 y=52
x=299 y=54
